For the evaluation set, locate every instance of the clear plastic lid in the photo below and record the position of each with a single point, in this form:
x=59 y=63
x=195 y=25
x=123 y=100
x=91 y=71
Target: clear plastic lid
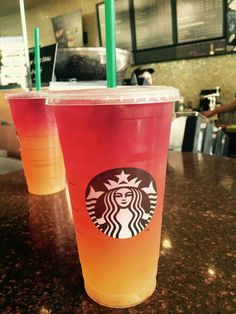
x=27 y=95
x=109 y=96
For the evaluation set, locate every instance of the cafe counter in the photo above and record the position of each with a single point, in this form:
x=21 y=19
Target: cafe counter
x=39 y=265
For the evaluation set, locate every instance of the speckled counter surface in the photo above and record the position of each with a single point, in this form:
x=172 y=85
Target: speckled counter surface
x=39 y=265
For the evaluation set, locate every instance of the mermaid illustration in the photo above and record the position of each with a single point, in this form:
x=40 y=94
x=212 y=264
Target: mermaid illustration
x=127 y=208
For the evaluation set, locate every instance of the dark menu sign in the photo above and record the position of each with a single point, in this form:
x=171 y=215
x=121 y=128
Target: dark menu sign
x=153 y=23
x=47 y=63
x=199 y=19
x=123 y=29
x=201 y=49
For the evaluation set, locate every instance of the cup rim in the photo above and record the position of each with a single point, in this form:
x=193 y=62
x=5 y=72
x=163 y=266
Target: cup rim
x=27 y=95
x=109 y=96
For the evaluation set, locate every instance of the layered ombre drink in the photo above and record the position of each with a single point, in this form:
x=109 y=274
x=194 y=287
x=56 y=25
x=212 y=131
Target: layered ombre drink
x=115 y=144
x=40 y=148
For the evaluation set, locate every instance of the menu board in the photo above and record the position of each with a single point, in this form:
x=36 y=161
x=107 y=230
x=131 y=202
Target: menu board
x=201 y=49
x=123 y=28
x=13 y=68
x=199 y=20
x=47 y=63
x=153 y=23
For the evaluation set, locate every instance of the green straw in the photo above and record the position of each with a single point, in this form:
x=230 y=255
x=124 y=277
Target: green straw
x=37 y=59
x=110 y=20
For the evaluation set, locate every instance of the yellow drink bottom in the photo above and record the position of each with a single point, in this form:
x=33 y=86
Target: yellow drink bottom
x=43 y=164
x=119 y=273
x=40 y=148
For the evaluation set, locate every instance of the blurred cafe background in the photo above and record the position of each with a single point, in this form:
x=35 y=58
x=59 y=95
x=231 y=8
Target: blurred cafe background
x=187 y=44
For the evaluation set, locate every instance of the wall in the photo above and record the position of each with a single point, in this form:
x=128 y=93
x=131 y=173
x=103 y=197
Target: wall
x=41 y=14
x=190 y=76
x=10 y=25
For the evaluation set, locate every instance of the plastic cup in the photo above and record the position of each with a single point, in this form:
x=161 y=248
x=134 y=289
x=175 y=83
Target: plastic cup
x=115 y=143
x=40 y=148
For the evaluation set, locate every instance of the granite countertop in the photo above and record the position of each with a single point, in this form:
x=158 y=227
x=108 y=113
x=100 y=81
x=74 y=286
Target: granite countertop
x=39 y=266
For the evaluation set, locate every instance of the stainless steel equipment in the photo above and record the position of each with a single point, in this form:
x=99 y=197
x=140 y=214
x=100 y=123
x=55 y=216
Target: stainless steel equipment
x=192 y=132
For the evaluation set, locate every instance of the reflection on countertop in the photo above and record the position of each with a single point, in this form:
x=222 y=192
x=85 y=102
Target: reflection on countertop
x=39 y=266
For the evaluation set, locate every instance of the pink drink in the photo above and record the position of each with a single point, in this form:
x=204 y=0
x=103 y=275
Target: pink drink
x=115 y=144
x=40 y=148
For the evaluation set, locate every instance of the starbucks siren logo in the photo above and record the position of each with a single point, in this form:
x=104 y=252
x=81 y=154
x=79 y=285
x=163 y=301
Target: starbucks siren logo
x=121 y=202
